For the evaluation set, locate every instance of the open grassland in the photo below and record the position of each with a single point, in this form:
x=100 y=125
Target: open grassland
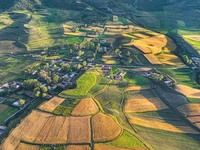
x=101 y=131
x=78 y=147
x=188 y=91
x=175 y=141
x=145 y=104
x=23 y=146
x=52 y=104
x=84 y=84
x=172 y=126
x=85 y=107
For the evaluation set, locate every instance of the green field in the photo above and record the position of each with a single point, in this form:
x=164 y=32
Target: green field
x=84 y=84
x=7 y=113
x=136 y=79
x=169 y=140
x=182 y=76
x=126 y=140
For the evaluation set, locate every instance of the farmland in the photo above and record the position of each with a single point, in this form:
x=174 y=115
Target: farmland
x=84 y=84
x=99 y=75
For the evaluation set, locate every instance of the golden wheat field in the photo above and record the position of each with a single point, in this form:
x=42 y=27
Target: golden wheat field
x=137 y=88
x=104 y=128
x=144 y=104
x=188 y=91
x=85 y=107
x=170 y=59
x=52 y=104
x=23 y=146
x=161 y=125
x=152 y=59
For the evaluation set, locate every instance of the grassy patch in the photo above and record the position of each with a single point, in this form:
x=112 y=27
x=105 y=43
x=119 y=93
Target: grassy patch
x=48 y=147
x=84 y=84
x=62 y=110
x=136 y=79
x=159 y=138
x=126 y=140
x=7 y=113
x=194 y=100
x=74 y=40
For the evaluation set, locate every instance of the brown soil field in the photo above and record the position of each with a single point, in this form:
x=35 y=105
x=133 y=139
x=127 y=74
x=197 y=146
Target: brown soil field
x=77 y=147
x=152 y=59
x=106 y=147
x=142 y=105
x=85 y=107
x=104 y=128
x=23 y=146
x=194 y=119
x=197 y=125
x=161 y=125
x=188 y=91
x=170 y=59
x=79 y=130
x=62 y=135
x=190 y=109
x=3 y=107
x=52 y=104
x=137 y=88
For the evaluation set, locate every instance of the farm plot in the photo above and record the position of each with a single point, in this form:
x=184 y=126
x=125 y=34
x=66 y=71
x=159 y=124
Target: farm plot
x=170 y=59
x=173 y=126
x=7 y=113
x=52 y=104
x=188 y=91
x=152 y=59
x=84 y=84
x=190 y=109
x=3 y=107
x=106 y=147
x=175 y=141
x=23 y=146
x=145 y=104
x=85 y=107
x=137 y=88
x=101 y=131
x=78 y=147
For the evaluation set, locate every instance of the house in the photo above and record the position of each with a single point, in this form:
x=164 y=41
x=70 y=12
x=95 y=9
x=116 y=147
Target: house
x=103 y=41
x=47 y=97
x=30 y=94
x=106 y=72
x=63 y=85
x=2 y=129
x=19 y=103
x=195 y=60
x=2 y=99
x=90 y=59
x=105 y=67
x=90 y=65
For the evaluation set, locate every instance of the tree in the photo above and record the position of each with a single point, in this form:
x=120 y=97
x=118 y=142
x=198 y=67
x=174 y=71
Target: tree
x=37 y=94
x=130 y=60
x=79 y=66
x=44 y=89
x=71 y=51
x=84 y=63
x=187 y=60
x=80 y=53
x=44 y=94
x=55 y=79
x=98 y=48
x=22 y=102
x=128 y=53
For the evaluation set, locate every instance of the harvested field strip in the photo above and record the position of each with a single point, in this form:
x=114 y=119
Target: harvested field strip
x=188 y=91
x=152 y=59
x=137 y=88
x=142 y=105
x=158 y=124
x=23 y=146
x=77 y=147
x=52 y=104
x=101 y=131
x=194 y=119
x=79 y=130
x=190 y=109
x=44 y=132
x=85 y=107
x=170 y=59
x=62 y=135
x=106 y=147
x=55 y=128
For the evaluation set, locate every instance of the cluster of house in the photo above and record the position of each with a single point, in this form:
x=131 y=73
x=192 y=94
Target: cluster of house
x=106 y=70
x=162 y=78
x=196 y=61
